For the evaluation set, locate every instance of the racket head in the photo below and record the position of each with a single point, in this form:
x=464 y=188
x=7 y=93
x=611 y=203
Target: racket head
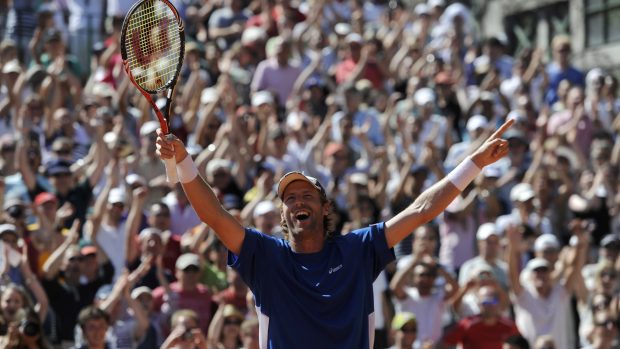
x=153 y=44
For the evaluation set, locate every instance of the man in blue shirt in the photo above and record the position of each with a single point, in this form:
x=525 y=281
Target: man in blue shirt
x=561 y=69
x=314 y=288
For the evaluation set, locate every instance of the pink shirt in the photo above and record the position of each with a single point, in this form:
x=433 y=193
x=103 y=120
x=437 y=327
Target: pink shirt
x=198 y=300
x=584 y=129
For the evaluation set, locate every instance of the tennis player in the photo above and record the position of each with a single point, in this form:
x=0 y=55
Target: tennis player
x=314 y=289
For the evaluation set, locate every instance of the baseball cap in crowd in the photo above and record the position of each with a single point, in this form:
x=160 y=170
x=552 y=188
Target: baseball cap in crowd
x=611 y=241
x=12 y=66
x=424 y=96
x=149 y=128
x=422 y=9
x=342 y=29
x=491 y=171
x=88 y=250
x=537 y=263
x=262 y=97
x=14 y=206
x=477 y=122
x=218 y=164
x=103 y=292
x=148 y=232
x=546 y=242
x=522 y=192
x=354 y=38
x=8 y=228
x=44 y=197
x=295 y=120
x=209 y=95
x=230 y=311
x=117 y=196
x=264 y=207
x=193 y=46
x=251 y=35
x=186 y=260
x=401 y=319
x=133 y=179
x=359 y=178
x=486 y=230
x=57 y=167
x=298 y=176
x=515 y=134
x=138 y=291
x=436 y=3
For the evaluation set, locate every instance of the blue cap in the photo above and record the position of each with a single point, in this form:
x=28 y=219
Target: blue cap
x=56 y=167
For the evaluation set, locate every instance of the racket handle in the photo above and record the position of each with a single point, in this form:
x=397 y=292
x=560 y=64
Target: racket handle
x=171 y=170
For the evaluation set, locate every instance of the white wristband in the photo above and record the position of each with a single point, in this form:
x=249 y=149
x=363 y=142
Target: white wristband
x=464 y=173
x=187 y=170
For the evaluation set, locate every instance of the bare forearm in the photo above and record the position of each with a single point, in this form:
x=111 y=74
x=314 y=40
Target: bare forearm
x=426 y=207
x=208 y=208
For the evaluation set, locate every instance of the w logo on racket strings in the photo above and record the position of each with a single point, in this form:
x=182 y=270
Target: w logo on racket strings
x=156 y=38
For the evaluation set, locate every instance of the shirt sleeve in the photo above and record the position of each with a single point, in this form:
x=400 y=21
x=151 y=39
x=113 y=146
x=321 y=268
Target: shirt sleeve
x=257 y=253
x=375 y=248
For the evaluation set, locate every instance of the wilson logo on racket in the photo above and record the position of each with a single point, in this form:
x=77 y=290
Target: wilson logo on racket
x=156 y=37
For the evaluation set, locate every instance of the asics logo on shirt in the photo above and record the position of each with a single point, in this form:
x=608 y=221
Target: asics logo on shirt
x=335 y=269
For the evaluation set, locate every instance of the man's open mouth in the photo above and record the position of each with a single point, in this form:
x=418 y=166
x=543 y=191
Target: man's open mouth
x=302 y=215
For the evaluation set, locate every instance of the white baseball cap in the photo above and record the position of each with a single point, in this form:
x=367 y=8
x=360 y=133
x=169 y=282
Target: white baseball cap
x=522 y=192
x=117 y=195
x=486 y=230
x=546 y=242
x=261 y=97
x=208 y=95
x=264 y=207
x=475 y=122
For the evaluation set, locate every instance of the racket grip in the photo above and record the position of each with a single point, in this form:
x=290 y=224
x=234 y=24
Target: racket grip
x=171 y=170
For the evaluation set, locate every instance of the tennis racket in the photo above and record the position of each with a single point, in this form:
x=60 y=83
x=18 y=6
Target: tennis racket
x=153 y=47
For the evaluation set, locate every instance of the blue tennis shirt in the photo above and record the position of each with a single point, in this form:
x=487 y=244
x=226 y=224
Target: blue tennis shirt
x=316 y=300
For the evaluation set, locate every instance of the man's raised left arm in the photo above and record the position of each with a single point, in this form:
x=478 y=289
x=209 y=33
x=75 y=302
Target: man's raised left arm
x=436 y=198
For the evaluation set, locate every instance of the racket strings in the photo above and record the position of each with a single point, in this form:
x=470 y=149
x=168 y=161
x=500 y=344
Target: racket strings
x=154 y=45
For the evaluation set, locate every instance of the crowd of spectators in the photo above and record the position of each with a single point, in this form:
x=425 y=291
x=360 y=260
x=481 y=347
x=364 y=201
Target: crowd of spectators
x=377 y=99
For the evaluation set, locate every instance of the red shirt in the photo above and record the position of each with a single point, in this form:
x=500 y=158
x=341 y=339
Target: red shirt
x=228 y=296
x=371 y=72
x=472 y=333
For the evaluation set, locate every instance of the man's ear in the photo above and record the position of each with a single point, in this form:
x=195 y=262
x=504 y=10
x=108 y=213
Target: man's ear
x=327 y=207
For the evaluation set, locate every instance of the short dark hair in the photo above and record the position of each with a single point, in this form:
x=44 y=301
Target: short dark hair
x=92 y=312
x=518 y=341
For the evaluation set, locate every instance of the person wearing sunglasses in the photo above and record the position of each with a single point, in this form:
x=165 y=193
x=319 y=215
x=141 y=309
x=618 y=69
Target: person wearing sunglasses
x=486 y=330
x=405 y=330
x=187 y=292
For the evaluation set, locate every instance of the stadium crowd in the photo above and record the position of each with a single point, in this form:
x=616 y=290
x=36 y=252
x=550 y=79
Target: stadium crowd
x=377 y=99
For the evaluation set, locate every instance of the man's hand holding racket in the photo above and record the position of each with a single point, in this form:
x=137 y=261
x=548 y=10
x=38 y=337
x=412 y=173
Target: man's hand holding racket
x=170 y=147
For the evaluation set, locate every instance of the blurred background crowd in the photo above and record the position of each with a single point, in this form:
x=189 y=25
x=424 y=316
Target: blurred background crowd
x=376 y=99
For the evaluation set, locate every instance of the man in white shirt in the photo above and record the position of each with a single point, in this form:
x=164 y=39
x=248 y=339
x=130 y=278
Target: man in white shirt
x=540 y=301
x=423 y=299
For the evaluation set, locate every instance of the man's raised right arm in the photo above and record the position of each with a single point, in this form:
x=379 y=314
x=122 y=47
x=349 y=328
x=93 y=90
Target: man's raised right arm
x=201 y=196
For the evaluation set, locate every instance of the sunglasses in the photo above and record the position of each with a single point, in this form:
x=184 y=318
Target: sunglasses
x=191 y=269
x=236 y=322
x=409 y=329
